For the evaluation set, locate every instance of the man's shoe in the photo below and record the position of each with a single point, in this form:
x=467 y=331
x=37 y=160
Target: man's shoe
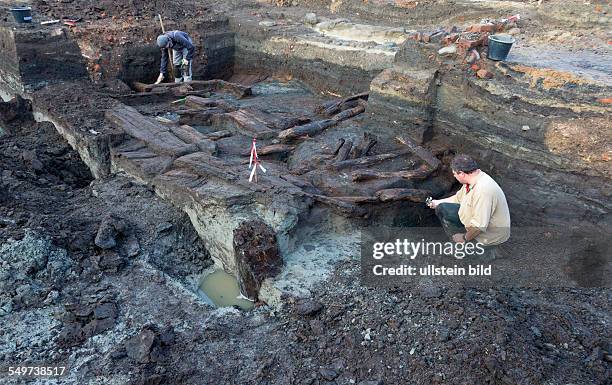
x=178 y=80
x=187 y=79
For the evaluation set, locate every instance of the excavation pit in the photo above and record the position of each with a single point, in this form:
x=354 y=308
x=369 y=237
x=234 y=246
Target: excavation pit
x=173 y=160
x=355 y=125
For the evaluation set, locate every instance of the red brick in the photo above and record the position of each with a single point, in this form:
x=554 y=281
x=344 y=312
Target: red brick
x=482 y=28
x=484 y=74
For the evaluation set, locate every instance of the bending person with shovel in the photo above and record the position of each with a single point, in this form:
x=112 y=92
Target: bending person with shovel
x=182 y=55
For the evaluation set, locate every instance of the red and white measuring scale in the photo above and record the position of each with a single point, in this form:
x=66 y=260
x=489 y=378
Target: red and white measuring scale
x=254 y=162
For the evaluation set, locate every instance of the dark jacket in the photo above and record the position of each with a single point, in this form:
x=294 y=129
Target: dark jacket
x=180 y=41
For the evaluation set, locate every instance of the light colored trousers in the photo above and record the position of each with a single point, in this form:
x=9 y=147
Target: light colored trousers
x=177 y=58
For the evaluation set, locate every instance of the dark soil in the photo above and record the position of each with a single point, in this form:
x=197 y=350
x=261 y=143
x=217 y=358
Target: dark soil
x=93 y=10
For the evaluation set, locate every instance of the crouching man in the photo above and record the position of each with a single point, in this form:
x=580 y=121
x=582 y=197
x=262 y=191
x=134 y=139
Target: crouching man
x=478 y=211
x=182 y=55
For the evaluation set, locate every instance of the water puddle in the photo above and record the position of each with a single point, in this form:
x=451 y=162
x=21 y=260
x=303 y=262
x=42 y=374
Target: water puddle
x=221 y=289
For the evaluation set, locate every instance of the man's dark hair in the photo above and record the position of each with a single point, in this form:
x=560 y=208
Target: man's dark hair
x=464 y=163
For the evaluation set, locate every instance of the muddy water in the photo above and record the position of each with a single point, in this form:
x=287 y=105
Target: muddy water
x=221 y=289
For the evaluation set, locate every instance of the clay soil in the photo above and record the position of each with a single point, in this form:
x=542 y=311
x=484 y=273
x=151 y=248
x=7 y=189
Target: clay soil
x=129 y=315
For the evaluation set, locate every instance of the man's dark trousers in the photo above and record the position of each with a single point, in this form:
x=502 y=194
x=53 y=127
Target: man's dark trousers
x=448 y=214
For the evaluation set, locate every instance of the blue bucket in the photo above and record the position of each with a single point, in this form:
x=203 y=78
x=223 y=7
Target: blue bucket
x=499 y=46
x=22 y=14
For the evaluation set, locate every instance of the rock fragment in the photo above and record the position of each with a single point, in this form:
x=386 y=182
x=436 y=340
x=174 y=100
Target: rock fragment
x=447 y=51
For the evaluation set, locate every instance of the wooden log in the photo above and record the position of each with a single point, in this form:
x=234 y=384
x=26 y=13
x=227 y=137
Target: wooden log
x=421 y=152
x=420 y=173
x=306 y=129
x=332 y=107
x=286 y=123
x=197 y=102
x=347 y=114
x=205 y=164
x=402 y=194
x=189 y=134
x=142 y=87
x=251 y=123
x=201 y=85
x=338 y=146
x=366 y=161
x=275 y=149
x=364 y=145
x=156 y=135
x=339 y=106
x=344 y=151
x=357 y=199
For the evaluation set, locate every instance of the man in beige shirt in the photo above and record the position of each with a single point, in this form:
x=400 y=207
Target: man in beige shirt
x=478 y=211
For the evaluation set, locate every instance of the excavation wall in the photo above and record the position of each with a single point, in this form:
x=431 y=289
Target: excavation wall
x=543 y=134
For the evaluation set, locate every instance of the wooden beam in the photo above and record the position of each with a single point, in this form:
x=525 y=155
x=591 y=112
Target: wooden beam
x=419 y=151
x=251 y=123
x=306 y=129
x=364 y=146
x=366 y=160
x=347 y=114
x=333 y=107
x=199 y=102
x=275 y=149
x=420 y=173
x=157 y=136
x=402 y=194
x=216 y=85
x=344 y=151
